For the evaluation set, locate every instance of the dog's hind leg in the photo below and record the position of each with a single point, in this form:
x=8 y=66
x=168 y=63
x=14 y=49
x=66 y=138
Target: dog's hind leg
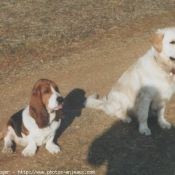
x=8 y=143
x=123 y=116
x=116 y=109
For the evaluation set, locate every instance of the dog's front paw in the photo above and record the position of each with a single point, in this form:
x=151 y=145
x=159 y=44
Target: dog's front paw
x=52 y=148
x=7 y=150
x=165 y=125
x=28 y=152
x=143 y=129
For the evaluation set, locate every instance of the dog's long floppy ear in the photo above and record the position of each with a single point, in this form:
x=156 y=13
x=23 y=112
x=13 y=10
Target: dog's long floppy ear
x=37 y=109
x=157 y=41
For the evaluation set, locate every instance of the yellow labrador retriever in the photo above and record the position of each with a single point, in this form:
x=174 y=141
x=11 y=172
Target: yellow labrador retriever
x=147 y=84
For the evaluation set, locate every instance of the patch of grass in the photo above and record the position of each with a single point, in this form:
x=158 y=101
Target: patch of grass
x=29 y=29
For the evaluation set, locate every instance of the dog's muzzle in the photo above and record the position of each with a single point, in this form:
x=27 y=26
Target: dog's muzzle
x=171 y=58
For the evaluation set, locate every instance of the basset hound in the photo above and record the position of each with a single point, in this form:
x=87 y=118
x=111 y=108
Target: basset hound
x=37 y=123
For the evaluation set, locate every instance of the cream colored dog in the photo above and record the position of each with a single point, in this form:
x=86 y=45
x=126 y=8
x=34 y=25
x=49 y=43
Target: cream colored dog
x=148 y=84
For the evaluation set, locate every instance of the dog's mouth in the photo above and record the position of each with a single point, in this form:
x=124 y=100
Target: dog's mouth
x=56 y=108
x=172 y=58
x=60 y=106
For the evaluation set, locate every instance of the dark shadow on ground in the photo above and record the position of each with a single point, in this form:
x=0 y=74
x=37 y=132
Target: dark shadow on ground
x=73 y=105
x=127 y=152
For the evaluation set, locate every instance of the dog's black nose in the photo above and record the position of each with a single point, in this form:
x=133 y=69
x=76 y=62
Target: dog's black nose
x=60 y=99
x=172 y=58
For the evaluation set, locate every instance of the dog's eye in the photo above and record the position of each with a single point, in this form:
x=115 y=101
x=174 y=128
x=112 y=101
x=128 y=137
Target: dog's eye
x=172 y=42
x=46 y=91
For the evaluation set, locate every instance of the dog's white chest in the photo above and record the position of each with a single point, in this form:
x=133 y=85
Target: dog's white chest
x=166 y=88
x=40 y=135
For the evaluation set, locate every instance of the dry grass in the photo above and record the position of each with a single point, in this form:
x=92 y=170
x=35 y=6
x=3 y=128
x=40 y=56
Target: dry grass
x=36 y=34
x=27 y=22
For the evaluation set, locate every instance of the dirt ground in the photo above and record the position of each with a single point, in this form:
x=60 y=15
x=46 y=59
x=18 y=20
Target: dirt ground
x=90 y=141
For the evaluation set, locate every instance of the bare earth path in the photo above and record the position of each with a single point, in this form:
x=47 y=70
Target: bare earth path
x=89 y=139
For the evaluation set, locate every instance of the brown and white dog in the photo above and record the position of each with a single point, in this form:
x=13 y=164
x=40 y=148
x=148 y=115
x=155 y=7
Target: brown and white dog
x=147 y=85
x=37 y=123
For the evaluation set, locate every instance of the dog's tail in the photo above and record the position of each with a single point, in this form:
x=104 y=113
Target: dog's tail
x=93 y=102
